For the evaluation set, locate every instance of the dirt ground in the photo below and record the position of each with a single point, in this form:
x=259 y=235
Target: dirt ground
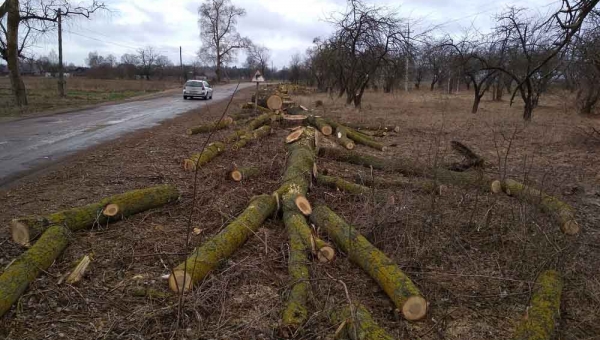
x=43 y=93
x=474 y=255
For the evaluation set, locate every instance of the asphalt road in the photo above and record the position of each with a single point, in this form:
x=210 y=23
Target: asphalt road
x=28 y=144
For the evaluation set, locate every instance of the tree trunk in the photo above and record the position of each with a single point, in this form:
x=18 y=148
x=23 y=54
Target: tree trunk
x=562 y=212
x=199 y=159
x=401 y=290
x=432 y=85
x=476 y=101
x=27 y=267
x=26 y=229
x=528 y=109
x=359 y=324
x=12 y=53
x=540 y=317
x=220 y=247
x=224 y=123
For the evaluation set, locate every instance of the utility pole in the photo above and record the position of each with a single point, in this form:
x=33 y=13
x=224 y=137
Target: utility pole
x=407 y=56
x=181 y=64
x=61 y=75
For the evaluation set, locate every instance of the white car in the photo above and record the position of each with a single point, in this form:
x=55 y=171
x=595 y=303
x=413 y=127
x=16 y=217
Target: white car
x=197 y=88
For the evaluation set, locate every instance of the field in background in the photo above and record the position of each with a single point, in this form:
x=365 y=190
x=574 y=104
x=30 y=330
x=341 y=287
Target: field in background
x=473 y=254
x=43 y=93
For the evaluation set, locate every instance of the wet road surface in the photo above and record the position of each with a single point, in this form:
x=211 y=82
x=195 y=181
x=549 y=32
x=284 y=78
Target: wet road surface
x=30 y=143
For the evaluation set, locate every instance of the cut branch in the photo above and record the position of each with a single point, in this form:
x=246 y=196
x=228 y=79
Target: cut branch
x=357 y=324
x=397 y=285
x=239 y=174
x=342 y=185
x=199 y=159
x=223 y=124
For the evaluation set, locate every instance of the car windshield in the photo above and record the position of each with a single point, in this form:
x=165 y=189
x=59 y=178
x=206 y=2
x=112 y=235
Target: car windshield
x=194 y=84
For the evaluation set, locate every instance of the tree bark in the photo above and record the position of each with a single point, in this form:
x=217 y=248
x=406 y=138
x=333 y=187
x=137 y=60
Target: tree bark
x=200 y=159
x=12 y=53
x=27 y=267
x=26 y=229
x=209 y=255
x=540 y=317
x=359 y=324
x=399 y=288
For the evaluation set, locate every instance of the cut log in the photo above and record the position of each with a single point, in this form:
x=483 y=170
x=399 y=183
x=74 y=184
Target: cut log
x=496 y=187
x=292 y=121
x=397 y=285
x=294 y=136
x=26 y=268
x=342 y=185
x=562 y=212
x=79 y=271
x=357 y=324
x=261 y=120
x=197 y=160
x=239 y=174
x=409 y=168
x=414 y=184
x=355 y=136
x=322 y=250
x=544 y=308
x=342 y=138
x=261 y=132
x=274 y=102
x=26 y=229
x=295 y=312
x=224 y=123
x=320 y=124
x=377 y=127
x=220 y=247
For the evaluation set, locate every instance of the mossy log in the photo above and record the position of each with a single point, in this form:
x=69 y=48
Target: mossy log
x=323 y=251
x=544 y=308
x=409 y=168
x=209 y=255
x=295 y=110
x=414 y=184
x=293 y=121
x=397 y=285
x=295 y=312
x=471 y=159
x=222 y=124
x=25 y=230
x=197 y=160
x=26 y=268
x=242 y=173
x=562 y=212
x=320 y=124
x=342 y=139
x=342 y=185
x=373 y=127
x=357 y=324
x=261 y=132
x=355 y=136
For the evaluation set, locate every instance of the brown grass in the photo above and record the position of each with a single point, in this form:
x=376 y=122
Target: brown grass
x=43 y=93
x=474 y=255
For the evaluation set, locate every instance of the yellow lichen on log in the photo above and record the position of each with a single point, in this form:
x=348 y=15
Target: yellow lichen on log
x=357 y=324
x=199 y=159
x=26 y=268
x=397 y=285
x=222 y=124
x=342 y=185
x=295 y=312
x=544 y=308
x=562 y=212
x=220 y=247
x=251 y=136
x=26 y=229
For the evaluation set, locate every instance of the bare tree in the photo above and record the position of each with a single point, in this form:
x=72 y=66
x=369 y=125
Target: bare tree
x=258 y=57
x=130 y=59
x=36 y=17
x=220 y=39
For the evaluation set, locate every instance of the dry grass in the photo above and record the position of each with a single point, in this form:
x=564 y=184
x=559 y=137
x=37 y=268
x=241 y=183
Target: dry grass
x=43 y=93
x=473 y=254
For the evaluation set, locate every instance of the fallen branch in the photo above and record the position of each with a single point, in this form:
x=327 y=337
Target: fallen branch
x=341 y=136
x=540 y=318
x=355 y=136
x=355 y=322
x=415 y=184
x=26 y=268
x=239 y=174
x=472 y=160
x=79 y=271
x=261 y=132
x=320 y=124
x=401 y=290
x=221 y=246
x=25 y=229
x=562 y=212
x=342 y=185
x=224 y=123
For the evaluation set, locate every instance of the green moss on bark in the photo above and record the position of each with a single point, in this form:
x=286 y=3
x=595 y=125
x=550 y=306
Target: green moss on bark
x=359 y=323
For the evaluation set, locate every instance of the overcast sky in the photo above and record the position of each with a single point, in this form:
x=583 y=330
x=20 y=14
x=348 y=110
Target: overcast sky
x=284 y=26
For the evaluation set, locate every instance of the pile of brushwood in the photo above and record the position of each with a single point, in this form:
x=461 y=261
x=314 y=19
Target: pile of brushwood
x=309 y=138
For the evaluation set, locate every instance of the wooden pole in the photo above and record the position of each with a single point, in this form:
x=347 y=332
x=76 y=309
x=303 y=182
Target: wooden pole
x=61 y=75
